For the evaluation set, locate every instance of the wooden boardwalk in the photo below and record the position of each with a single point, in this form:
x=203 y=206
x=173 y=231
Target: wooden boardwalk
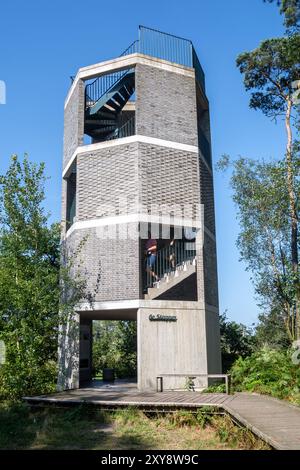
x=274 y=421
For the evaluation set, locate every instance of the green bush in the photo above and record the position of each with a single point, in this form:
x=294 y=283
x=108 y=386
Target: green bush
x=19 y=379
x=268 y=371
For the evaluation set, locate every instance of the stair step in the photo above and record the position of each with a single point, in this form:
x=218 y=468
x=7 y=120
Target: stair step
x=104 y=130
x=171 y=279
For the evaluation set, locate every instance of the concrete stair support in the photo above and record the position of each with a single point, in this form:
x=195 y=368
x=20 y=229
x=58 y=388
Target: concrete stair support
x=171 y=279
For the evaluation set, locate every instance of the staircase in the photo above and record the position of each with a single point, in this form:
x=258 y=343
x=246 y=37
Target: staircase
x=175 y=267
x=105 y=98
x=172 y=279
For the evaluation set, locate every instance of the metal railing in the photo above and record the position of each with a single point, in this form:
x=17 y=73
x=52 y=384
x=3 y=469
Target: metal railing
x=102 y=85
x=192 y=377
x=153 y=43
x=168 y=47
x=126 y=130
x=165 y=46
x=167 y=260
x=200 y=76
x=132 y=49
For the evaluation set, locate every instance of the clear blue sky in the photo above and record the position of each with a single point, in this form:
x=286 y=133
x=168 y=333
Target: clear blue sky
x=43 y=42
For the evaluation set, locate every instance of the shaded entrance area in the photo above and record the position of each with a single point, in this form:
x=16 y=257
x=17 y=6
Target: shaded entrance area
x=108 y=351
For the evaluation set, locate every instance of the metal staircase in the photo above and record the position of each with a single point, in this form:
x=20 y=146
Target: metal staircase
x=105 y=99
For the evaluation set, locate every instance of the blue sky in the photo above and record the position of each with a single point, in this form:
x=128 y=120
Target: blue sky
x=43 y=42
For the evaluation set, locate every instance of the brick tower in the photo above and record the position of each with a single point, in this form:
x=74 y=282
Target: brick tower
x=137 y=159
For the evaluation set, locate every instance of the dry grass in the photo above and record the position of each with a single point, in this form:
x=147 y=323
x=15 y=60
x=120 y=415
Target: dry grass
x=86 y=428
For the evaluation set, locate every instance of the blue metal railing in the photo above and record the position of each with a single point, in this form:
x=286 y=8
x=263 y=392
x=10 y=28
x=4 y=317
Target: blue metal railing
x=165 y=46
x=101 y=85
x=156 y=44
x=132 y=49
x=168 y=47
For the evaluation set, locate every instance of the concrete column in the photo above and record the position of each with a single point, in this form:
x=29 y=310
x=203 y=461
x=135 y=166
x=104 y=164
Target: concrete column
x=68 y=353
x=86 y=345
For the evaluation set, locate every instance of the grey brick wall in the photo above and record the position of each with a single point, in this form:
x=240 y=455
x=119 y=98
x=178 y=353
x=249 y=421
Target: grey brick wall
x=74 y=122
x=142 y=172
x=111 y=268
x=166 y=105
x=168 y=176
x=104 y=178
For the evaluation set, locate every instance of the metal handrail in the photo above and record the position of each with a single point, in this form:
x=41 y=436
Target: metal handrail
x=227 y=377
x=102 y=85
x=126 y=130
x=168 y=259
x=133 y=48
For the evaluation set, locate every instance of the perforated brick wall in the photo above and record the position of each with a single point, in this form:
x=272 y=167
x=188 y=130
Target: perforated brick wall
x=168 y=176
x=110 y=267
x=166 y=105
x=106 y=179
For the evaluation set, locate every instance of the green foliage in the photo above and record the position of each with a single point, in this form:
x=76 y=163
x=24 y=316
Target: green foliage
x=269 y=72
x=236 y=340
x=268 y=371
x=114 y=346
x=271 y=330
x=261 y=196
x=291 y=11
x=29 y=288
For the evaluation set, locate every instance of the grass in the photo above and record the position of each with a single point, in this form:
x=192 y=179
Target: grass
x=88 y=428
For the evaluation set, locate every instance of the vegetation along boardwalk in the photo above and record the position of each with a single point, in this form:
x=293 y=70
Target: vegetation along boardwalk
x=274 y=421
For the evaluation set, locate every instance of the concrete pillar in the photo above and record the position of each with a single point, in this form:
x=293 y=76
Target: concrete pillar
x=68 y=353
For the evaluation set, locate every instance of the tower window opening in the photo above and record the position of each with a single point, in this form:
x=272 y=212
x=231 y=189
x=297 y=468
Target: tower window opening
x=71 y=197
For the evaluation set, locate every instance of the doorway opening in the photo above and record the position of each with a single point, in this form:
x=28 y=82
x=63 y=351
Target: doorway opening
x=108 y=354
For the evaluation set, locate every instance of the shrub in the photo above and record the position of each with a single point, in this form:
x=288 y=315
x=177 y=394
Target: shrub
x=268 y=371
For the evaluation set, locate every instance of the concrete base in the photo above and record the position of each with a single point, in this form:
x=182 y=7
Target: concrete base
x=176 y=341
x=180 y=339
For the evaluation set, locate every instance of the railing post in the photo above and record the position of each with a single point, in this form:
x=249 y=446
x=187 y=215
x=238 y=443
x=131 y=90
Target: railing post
x=159 y=384
x=228 y=384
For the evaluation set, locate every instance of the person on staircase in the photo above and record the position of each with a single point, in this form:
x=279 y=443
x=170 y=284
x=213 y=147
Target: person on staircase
x=151 y=255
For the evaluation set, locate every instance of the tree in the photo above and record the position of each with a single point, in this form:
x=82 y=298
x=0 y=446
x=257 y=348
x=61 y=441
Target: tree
x=291 y=11
x=29 y=288
x=270 y=331
x=237 y=340
x=271 y=73
x=114 y=345
x=261 y=195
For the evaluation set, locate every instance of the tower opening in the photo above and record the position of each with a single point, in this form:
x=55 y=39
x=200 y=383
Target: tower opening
x=110 y=106
x=71 y=180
